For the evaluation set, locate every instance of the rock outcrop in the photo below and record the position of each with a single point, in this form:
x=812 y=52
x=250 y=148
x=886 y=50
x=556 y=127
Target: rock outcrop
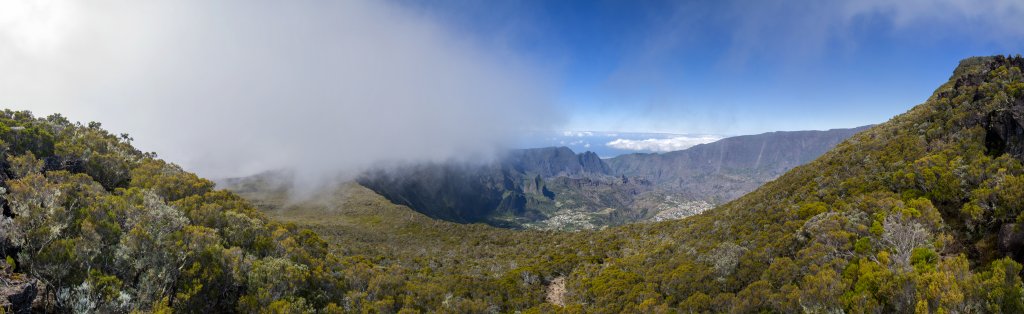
x=1011 y=241
x=17 y=293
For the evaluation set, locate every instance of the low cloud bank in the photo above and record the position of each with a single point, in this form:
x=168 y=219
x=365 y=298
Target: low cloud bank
x=661 y=145
x=232 y=88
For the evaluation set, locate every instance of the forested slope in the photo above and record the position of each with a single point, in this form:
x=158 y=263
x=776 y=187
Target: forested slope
x=95 y=225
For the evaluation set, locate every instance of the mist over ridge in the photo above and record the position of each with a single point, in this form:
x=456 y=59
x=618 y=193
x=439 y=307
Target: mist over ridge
x=240 y=87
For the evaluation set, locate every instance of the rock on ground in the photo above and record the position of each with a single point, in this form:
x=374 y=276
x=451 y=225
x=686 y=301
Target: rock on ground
x=17 y=293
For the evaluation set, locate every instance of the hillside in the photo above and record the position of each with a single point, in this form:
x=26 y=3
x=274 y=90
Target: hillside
x=91 y=224
x=555 y=188
x=918 y=214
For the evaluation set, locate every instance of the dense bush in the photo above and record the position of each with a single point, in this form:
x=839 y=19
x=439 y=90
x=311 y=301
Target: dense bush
x=106 y=228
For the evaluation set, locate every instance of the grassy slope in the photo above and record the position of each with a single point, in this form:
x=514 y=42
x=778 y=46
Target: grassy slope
x=471 y=261
x=367 y=223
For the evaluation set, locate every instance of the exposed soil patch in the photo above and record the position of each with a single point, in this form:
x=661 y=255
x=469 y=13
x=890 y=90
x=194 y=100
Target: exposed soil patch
x=556 y=291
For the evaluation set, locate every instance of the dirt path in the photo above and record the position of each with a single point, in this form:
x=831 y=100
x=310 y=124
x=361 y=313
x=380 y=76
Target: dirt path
x=556 y=291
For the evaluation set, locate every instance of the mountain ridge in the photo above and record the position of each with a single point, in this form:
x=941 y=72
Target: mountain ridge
x=554 y=187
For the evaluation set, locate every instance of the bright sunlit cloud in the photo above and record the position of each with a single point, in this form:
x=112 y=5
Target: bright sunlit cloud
x=661 y=145
x=36 y=27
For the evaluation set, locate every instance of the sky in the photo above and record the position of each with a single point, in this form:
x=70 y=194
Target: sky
x=740 y=67
x=230 y=88
x=233 y=88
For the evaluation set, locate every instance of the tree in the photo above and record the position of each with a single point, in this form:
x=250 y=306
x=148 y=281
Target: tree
x=902 y=236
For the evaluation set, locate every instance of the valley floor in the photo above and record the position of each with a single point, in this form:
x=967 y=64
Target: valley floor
x=427 y=254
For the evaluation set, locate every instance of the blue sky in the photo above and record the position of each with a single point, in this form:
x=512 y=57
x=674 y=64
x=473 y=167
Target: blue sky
x=737 y=67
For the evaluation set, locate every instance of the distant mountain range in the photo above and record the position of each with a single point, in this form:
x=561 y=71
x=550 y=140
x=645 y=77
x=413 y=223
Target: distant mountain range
x=556 y=188
x=721 y=171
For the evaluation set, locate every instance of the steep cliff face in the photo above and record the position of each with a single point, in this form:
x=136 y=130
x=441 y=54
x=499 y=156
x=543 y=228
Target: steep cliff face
x=455 y=191
x=592 y=164
x=1004 y=132
x=509 y=192
x=554 y=161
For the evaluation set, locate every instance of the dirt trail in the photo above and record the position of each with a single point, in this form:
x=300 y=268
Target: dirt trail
x=556 y=291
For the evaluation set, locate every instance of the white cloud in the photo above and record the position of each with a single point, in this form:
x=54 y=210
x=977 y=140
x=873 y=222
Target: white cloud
x=662 y=144
x=577 y=133
x=801 y=30
x=230 y=88
x=986 y=16
x=577 y=143
x=35 y=26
